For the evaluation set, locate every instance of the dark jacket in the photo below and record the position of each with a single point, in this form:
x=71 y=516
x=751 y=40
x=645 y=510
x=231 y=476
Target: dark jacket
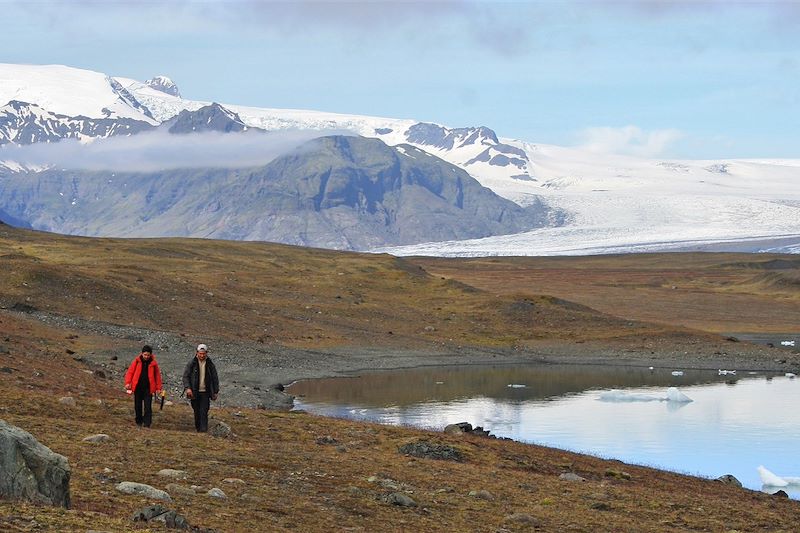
x=191 y=377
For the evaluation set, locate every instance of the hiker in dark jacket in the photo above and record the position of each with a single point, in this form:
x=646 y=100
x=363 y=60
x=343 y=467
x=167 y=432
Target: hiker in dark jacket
x=201 y=385
x=143 y=379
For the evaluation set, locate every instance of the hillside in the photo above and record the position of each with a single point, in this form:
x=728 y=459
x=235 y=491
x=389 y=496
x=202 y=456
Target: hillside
x=73 y=310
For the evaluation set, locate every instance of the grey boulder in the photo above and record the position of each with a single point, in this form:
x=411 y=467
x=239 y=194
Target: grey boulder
x=31 y=471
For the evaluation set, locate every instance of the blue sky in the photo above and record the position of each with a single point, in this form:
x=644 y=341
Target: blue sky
x=692 y=79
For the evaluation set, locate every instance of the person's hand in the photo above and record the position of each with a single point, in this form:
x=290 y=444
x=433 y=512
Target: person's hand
x=189 y=393
x=127 y=386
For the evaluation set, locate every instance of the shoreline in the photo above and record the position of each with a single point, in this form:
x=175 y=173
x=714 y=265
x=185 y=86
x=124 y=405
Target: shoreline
x=252 y=374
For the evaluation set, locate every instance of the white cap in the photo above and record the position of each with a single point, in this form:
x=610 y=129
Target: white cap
x=202 y=348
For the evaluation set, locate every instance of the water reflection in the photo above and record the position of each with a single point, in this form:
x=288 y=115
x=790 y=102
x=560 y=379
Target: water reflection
x=501 y=382
x=733 y=425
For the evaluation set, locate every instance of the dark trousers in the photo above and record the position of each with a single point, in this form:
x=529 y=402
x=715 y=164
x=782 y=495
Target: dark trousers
x=143 y=407
x=201 y=403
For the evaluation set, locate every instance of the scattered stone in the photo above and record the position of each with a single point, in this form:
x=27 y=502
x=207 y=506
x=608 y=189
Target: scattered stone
x=173 y=474
x=69 y=401
x=146 y=514
x=327 y=439
x=141 y=489
x=97 y=439
x=601 y=506
x=220 y=429
x=105 y=476
x=100 y=374
x=730 y=479
x=400 y=499
x=341 y=449
x=234 y=480
x=180 y=490
x=731 y=339
x=7 y=370
x=465 y=427
x=571 y=476
x=31 y=471
x=216 y=493
x=173 y=520
x=386 y=483
x=3 y=349
x=523 y=518
x=458 y=428
x=426 y=450
x=781 y=494
x=618 y=474
x=157 y=513
x=482 y=494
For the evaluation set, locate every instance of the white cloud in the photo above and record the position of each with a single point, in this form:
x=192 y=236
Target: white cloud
x=629 y=140
x=159 y=150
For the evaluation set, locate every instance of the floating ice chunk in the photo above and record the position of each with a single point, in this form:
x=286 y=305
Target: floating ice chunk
x=787 y=343
x=616 y=395
x=677 y=372
x=440 y=382
x=516 y=386
x=674 y=395
x=726 y=372
x=790 y=375
x=768 y=479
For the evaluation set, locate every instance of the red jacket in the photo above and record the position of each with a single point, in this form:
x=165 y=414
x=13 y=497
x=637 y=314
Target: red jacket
x=153 y=374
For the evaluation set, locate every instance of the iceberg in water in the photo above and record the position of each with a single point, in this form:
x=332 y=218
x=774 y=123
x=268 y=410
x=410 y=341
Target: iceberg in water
x=616 y=395
x=768 y=479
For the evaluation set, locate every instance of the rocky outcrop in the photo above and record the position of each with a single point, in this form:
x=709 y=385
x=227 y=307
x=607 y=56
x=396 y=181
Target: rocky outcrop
x=31 y=471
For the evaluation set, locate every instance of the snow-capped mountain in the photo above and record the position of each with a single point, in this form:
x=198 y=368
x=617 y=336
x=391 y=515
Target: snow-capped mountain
x=612 y=203
x=67 y=91
x=24 y=123
x=163 y=84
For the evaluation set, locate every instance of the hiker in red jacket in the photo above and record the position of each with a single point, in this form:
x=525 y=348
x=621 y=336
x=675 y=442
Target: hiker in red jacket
x=143 y=379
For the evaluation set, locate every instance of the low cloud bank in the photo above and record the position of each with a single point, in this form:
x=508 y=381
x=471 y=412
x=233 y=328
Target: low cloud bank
x=159 y=150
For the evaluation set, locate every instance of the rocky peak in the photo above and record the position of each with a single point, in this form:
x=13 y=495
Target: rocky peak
x=212 y=117
x=164 y=84
x=428 y=134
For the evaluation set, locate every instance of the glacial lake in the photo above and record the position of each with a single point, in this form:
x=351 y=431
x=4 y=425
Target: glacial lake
x=733 y=424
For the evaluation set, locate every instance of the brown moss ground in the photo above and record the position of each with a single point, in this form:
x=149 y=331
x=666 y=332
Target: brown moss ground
x=315 y=298
x=293 y=483
x=714 y=292
x=280 y=294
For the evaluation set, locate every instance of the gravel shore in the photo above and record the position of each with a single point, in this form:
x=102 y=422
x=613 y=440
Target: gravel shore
x=252 y=373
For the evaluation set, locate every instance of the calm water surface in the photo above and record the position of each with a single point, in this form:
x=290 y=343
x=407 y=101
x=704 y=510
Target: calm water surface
x=733 y=425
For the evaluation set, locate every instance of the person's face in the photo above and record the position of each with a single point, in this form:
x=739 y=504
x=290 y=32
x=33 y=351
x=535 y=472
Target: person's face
x=201 y=355
x=146 y=355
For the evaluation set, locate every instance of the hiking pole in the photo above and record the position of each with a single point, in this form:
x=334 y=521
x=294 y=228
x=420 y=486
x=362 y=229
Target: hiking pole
x=161 y=403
